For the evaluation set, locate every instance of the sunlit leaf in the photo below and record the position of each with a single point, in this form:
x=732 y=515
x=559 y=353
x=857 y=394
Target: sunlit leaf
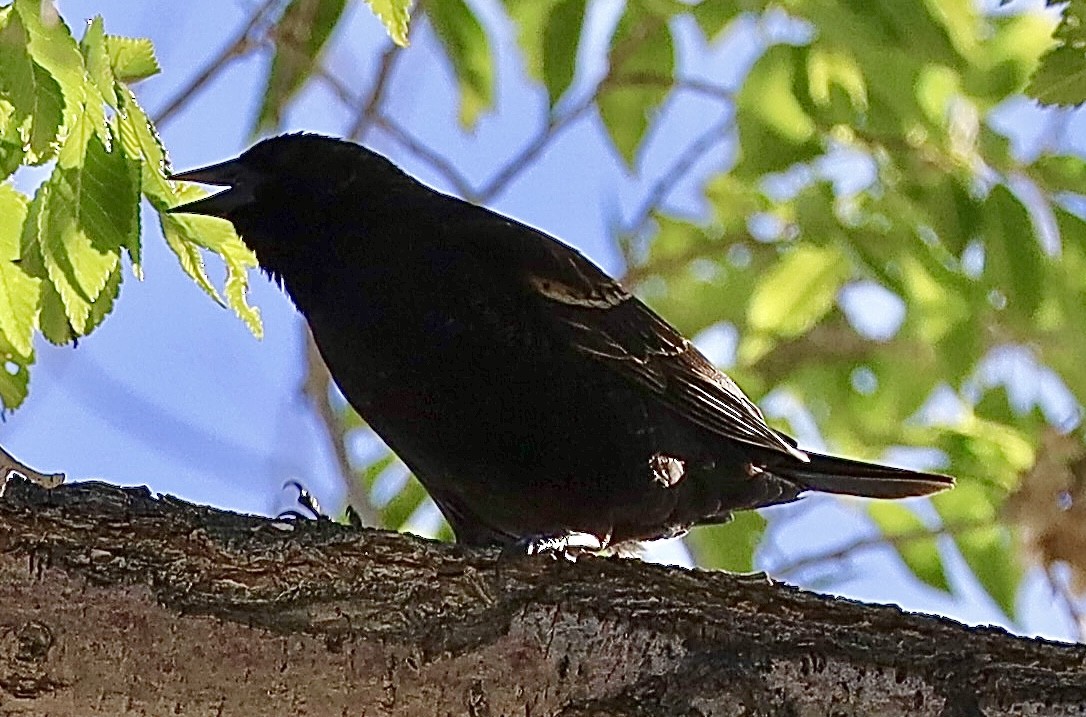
x=218 y=236
x=97 y=61
x=132 y=58
x=36 y=100
x=14 y=374
x=19 y=292
x=89 y=216
x=394 y=14
x=798 y=291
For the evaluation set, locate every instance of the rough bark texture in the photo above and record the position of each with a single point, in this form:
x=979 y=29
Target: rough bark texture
x=113 y=602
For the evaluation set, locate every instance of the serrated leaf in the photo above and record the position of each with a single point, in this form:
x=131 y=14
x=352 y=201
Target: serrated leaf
x=140 y=142
x=14 y=374
x=188 y=254
x=468 y=49
x=132 y=58
x=51 y=46
x=920 y=554
x=90 y=214
x=19 y=292
x=103 y=304
x=300 y=36
x=642 y=62
x=730 y=546
x=12 y=149
x=218 y=236
x=1060 y=79
x=798 y=291
x=36 y=101
x=53 y=318
x=97 y=61
x=394 y=15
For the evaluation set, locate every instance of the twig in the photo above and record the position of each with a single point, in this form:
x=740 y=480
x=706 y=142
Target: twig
x=420 y=149
x=9 y=465
x=679 y=168
x=241 y=45
x=372 y=103
x=318 y=381
x=523 y=159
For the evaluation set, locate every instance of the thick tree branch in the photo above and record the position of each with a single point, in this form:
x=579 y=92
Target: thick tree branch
x=114 y=602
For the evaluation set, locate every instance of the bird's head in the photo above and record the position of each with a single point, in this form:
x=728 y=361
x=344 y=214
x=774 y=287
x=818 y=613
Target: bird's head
x=288 y=183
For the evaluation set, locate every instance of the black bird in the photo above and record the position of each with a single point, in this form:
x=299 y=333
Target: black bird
x=531 y=394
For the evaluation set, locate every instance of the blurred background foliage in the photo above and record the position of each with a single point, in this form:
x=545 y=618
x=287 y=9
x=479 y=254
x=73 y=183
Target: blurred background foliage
x=879 y=261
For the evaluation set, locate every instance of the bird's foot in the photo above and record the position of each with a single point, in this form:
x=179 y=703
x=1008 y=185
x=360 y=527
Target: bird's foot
x=307 y=501
x=566 y=545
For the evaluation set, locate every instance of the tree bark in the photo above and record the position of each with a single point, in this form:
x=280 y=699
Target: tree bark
x=113 y=602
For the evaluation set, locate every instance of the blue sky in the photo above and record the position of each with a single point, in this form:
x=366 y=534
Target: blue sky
x=173 y=392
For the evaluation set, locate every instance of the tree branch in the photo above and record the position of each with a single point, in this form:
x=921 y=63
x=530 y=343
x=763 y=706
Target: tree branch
x=118 y=603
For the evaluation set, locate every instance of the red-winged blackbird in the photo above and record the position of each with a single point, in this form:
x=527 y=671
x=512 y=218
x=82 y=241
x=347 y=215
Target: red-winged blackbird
x=531 y=394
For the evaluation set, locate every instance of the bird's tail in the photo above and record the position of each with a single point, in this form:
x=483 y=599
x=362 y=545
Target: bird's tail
x=841 y=475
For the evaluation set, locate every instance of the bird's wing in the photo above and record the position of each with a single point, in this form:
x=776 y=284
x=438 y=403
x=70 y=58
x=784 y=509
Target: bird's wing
x=600 y=319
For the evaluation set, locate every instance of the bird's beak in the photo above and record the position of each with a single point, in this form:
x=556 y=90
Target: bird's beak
x=239 y=179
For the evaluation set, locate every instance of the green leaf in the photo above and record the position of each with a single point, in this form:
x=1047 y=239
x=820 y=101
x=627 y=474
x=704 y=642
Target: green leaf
x=394 y=15
x=730 y=546
x=90 y=213
x=300 y=36
x=1060 y=173
x=51 y=46
x=12 y=149
x=19 y=292
x=642 y=62
x=53 y=318
x=178 y=238
x=96 y=59
x=140 y=142
x=714 y=16
x=35 y=97
x=132 y=58
x=14 y=374
x=468 y=49
x=1061 y=77
x=218 y=236
x=186 y=234
x=561 y=37
x=775 y=129
x=901 y=527
x=988 y=548
x=798 y=291
x=1014 y=261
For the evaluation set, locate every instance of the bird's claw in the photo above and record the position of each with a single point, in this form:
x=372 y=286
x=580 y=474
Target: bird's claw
x=566 y=545
x=307 y=501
